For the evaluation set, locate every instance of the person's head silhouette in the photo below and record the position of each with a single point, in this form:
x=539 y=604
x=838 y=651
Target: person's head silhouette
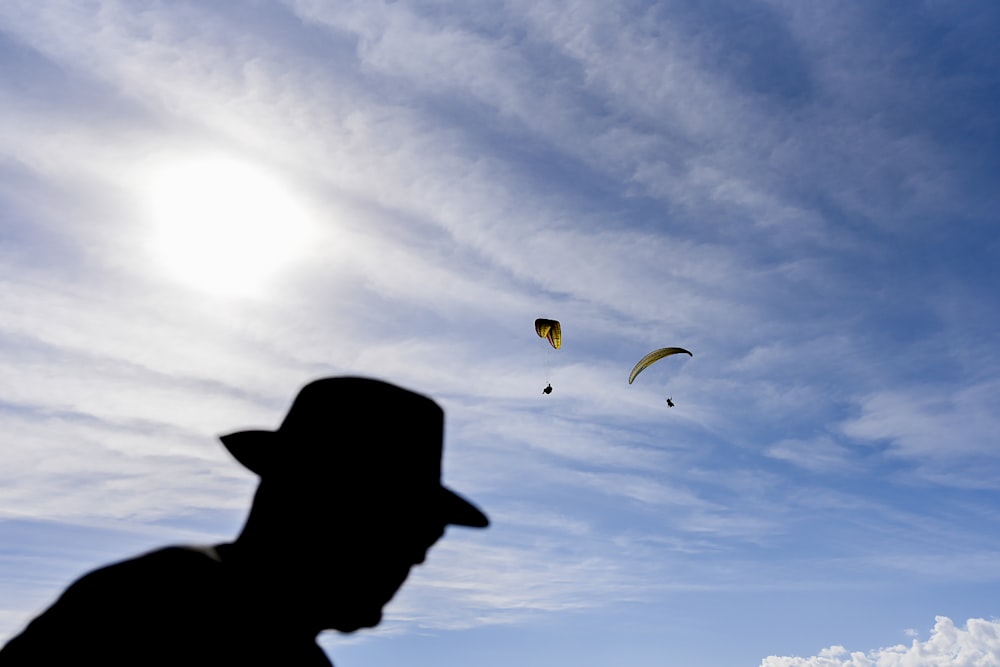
x=350 y=499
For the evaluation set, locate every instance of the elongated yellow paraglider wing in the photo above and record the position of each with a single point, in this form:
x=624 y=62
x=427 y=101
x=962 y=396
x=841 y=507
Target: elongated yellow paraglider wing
x=655 y=355
x=550 y=329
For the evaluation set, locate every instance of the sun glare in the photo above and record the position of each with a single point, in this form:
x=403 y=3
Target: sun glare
x=223 y=225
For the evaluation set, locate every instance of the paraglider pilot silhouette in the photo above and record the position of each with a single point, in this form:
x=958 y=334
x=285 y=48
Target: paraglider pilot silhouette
x=350 y=498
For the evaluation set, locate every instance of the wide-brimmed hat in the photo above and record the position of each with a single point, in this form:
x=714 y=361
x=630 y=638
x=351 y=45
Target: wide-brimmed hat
x=369 y=435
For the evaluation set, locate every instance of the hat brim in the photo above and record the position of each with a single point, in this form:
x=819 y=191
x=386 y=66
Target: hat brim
x=457 y=511
x=251 y=449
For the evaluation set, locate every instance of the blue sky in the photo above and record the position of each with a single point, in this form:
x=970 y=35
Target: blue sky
x=802 y=194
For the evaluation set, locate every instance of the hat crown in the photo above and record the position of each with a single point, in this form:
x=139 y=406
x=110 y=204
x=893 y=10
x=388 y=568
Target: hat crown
x=375 y=428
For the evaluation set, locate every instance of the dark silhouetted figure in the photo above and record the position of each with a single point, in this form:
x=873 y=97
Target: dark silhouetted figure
x=670 y=402
x=350 y=499
x=547 y=390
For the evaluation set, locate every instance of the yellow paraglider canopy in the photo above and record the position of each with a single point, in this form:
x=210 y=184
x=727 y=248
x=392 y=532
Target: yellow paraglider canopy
x=653 y=356
x=550 y=329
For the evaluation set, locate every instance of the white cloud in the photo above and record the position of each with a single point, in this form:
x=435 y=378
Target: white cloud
x=950 y=433
x=975 y=645
x=818 y=454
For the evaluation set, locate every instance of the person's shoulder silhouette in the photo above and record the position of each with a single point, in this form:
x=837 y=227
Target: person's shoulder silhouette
x=348 y=502
x=176 y=605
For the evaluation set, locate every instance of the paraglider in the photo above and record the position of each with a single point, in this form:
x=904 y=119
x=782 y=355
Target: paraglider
x=550 y=330
x=653 y=357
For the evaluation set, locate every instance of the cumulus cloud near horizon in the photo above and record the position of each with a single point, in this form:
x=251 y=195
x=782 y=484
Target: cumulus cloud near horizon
x=975 y=645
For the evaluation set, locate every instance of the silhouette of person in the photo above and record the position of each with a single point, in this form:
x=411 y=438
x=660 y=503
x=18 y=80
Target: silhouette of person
x=670 y=402
x=548 y=389
x=350 y=498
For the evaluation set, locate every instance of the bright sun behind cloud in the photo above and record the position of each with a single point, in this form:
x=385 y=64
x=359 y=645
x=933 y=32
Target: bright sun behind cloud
x=224 y=225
